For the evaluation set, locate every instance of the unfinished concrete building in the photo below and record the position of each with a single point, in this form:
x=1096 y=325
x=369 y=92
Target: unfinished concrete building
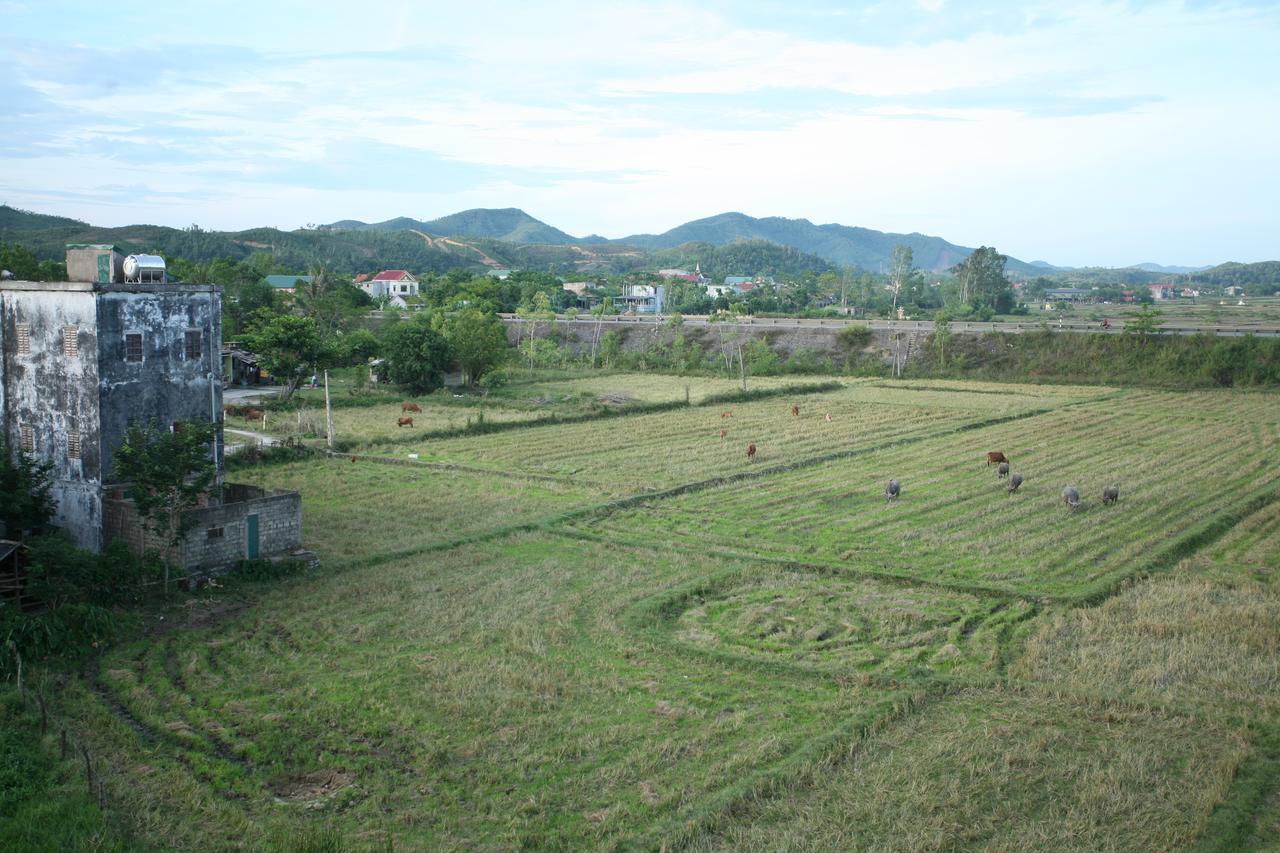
x=81 y=360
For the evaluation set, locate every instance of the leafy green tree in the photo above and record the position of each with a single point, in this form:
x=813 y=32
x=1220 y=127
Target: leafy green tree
x=417 y=356
x=168 y=471
x=291 y=348
x=26 y=500
x=982 y=282
x=333 y=303
x=477 y=340
x=1144 y=324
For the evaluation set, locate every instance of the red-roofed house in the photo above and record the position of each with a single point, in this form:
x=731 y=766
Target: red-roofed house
x=390 y=283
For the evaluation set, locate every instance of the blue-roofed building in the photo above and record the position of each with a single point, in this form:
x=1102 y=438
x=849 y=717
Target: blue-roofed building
x=287 y=283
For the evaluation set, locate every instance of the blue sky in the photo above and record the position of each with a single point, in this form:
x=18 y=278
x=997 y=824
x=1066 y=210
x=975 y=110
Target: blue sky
x=1078 y=133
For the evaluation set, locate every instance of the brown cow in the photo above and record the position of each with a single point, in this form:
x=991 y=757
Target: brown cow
x=404 y=422
x=723 y=433
x=795 y=411
x=410 y=407
x=995 y=456
x=751 y=452
x=828 y=417
x=252 y=414
x=726 y=414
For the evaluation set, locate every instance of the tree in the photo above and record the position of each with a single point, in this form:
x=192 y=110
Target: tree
x=25 y=486
x=981 y=281
x=477 y=340
x=291 y=348
x=539 y=312
x=901 y=268
x=334 y=304
x=417 y=356
x=1144 y=324
x=168 y=472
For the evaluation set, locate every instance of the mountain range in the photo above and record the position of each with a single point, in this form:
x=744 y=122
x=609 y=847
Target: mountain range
x=726 y=244
x=841 y=245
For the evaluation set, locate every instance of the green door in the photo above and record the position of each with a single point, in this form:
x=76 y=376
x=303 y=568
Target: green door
x=251 y=534
x=104 y=269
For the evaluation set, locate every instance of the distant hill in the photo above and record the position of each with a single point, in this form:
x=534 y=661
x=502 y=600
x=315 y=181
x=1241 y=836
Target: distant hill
x=508 y=224
x=842 y=245
x=1258 y=279
x=1150 y=267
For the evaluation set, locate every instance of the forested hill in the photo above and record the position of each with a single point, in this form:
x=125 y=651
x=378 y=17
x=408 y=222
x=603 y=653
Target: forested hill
x=842 y=245
x=838 y=245
x=508 y=224
x=1260 y=279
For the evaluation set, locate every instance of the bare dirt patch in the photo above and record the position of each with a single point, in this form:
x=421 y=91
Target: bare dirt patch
x=305 y=787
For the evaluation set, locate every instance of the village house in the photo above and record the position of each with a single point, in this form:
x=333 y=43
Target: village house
x=287 y=283
x=80 y=361
x=389 y=283
x=1163 y=291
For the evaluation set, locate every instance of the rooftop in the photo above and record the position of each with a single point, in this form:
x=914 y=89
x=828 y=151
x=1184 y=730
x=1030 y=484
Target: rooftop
x=121 y=287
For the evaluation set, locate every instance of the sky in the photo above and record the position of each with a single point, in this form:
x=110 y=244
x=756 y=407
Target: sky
x=1090 y=133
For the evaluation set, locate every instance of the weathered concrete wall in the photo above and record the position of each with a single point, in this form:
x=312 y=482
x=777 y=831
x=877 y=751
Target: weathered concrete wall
x=217 y=535
x=55 y=395
x=717 y=338
x=165 y=385
x=82 y=385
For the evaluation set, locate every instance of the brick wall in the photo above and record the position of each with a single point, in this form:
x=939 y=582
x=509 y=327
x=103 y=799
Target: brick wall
x=217 y=536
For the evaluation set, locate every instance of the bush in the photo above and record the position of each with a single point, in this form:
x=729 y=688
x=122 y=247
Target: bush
x=853 y=337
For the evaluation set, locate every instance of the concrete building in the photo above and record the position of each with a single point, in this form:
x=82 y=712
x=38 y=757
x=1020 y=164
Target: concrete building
x=390 y=283
x=82 y=360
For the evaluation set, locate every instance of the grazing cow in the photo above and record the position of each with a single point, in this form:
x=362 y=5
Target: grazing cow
x=828 y=417
x=751 y=452
x=723 y=433
x=795 y=411
x=891 y=491
x=1002 y=471
x=1071 y=497
x=726 y=414
x=994 y=456
x=404 y=422
x=1015 y=480
x=252 y=414
x=410 y=407
x=1110 y=494
x=353 y=460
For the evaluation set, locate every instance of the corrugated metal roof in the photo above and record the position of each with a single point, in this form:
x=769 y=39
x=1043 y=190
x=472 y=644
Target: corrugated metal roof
x=286 y=281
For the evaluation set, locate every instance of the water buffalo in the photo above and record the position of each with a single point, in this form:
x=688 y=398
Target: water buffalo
x=891 y=491
x=404 y=422
x=1015 y=480
x=1071 y=497
x=751 y=452
x=994 y=456
x=1003 y=470
x=1110 y=494
x=410 y=407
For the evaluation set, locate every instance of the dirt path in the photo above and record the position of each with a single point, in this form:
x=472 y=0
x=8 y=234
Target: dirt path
x=443 y=242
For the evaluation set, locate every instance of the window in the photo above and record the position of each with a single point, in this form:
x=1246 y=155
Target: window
x=215 y=533
x=133 y=346
x=195 y=345
x=24 y=339
x=28 y=439
x=73 y=444
x=70 y=341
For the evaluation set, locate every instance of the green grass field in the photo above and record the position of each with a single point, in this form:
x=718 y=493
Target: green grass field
x=622 y=634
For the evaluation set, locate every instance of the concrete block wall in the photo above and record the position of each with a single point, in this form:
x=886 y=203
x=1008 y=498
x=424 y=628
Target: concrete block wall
x=279 y=527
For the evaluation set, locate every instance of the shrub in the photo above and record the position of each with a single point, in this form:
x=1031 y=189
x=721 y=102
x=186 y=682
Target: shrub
x=853 y=337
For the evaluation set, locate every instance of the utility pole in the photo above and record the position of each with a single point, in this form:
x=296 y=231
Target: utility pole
x=328 y=411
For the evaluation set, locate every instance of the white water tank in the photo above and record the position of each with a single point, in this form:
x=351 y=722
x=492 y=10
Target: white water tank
x=144 y=268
